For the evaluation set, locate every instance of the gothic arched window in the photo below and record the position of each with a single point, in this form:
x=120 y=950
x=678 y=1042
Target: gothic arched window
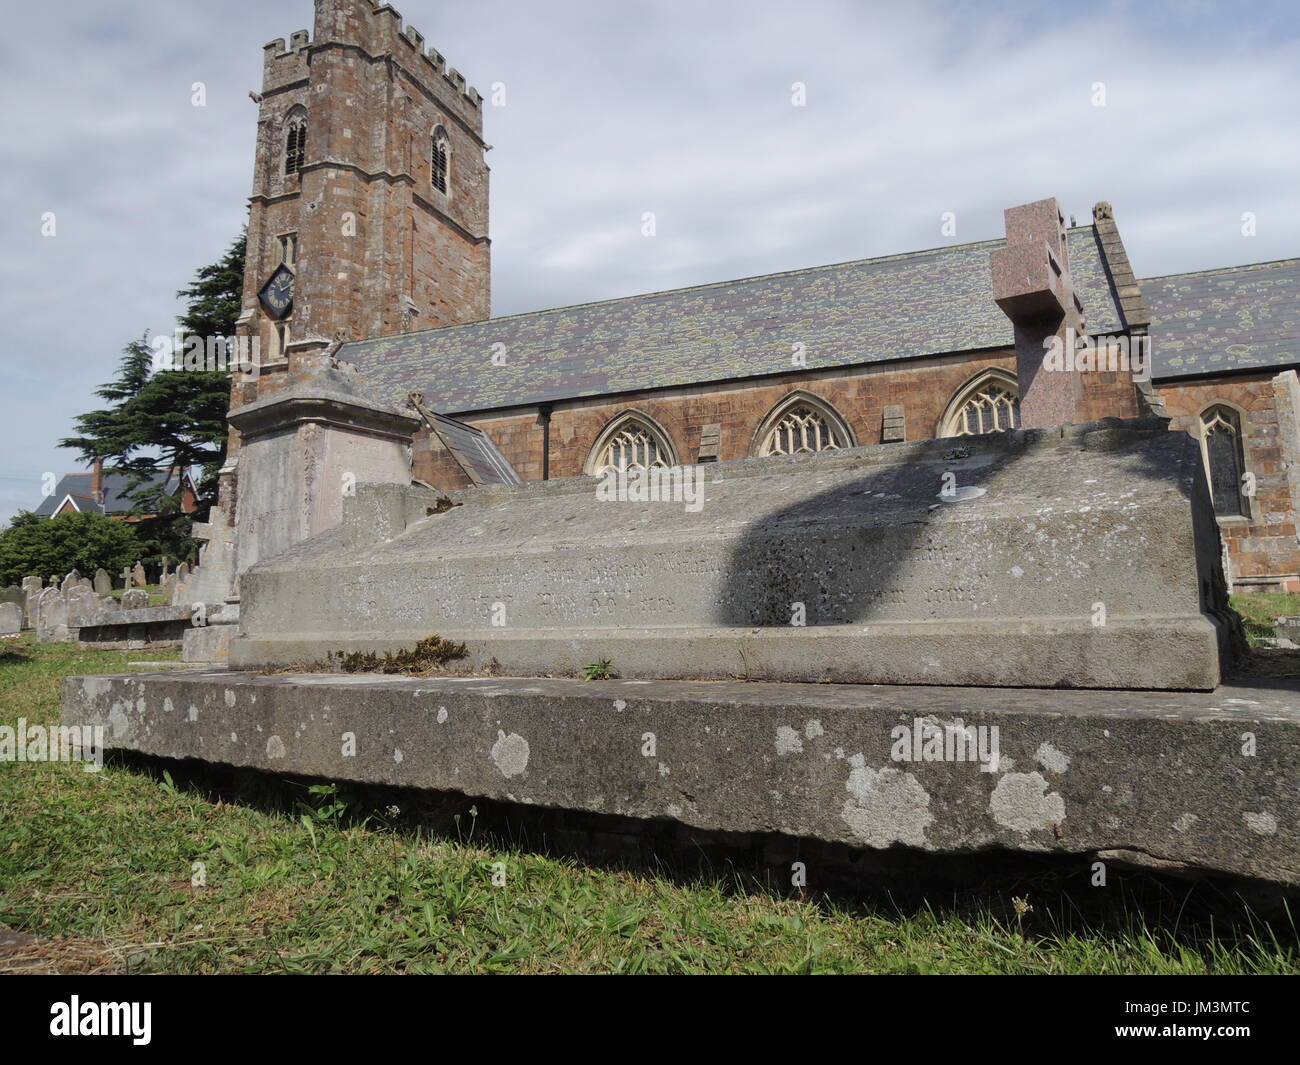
x=295 y=144
x=801 y=424
x=988 y=404
x=1225 y=463
x=439 y=160
x=630 y=442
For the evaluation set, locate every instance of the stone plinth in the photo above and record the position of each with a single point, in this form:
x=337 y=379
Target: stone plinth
x=1155 y=778
x=1078 y=558
x=303 y=449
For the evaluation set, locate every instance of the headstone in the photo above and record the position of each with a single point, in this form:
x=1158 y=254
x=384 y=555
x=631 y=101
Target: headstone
x=70 y=581
x=138 y=577
x=183 y=571
x=17 y=596
x=135 y=599
x=80 y=602
x=126 y=577
x=52 y=616
x=32 y=587
x=103 y=584
x=11 y=619
x=168 y=585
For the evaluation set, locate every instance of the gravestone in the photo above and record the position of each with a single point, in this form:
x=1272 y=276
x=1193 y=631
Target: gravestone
x=11 y=618
x=51 y=616
x=70 y=581
x=213 y=578
x=12 y=594
x=138 y=577
x=103 y=584
x=135 y=599
x=80 y=602
x=31 y=589
x=1005 y=560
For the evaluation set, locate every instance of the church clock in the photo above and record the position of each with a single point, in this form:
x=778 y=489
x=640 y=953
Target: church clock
x=277 y=293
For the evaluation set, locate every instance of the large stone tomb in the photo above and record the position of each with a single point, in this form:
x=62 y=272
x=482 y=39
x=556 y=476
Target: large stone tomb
x=1083 y=557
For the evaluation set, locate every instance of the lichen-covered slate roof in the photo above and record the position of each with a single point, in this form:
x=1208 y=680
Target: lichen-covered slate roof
x=1235 y=318
x=872 y=310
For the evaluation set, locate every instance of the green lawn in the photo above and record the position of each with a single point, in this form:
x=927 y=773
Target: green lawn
x=1260 y=608
x=102 y=865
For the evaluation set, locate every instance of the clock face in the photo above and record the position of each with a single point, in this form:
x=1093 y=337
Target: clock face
x=277 y=293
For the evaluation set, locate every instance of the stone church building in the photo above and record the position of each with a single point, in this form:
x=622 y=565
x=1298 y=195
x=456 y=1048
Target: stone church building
x=368 y=279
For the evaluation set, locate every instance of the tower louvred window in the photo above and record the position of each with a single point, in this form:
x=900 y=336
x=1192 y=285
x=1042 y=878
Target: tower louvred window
x=295 y=146
x=439 y=162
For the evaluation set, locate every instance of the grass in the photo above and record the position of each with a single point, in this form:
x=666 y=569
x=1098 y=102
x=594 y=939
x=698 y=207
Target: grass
x=1258 y=610
x=306 y=877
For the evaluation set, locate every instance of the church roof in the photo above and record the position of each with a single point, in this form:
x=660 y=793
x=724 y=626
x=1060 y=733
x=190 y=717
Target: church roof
x=872 y=310
x=1234 y=318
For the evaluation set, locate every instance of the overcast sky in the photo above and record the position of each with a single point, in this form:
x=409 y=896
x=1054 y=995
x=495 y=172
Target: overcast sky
x=612 y=109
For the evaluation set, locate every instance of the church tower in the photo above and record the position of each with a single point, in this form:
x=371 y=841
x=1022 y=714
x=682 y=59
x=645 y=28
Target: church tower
x=369 y=210
x=368 y=217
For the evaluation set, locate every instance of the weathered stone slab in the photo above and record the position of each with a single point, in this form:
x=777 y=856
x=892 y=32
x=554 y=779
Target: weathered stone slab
x=1144 y=776
x=138 y=576
x=133 y=628
x=11 y=618
x=1084 y=557
x=135 y=599
x=207 y=644
x=103 y=584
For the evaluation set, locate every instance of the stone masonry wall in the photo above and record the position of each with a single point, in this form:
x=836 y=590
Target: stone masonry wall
x=924 y=389
x=1263 y=551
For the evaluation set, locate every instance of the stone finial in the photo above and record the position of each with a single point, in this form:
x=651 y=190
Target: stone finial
x=1102 y=212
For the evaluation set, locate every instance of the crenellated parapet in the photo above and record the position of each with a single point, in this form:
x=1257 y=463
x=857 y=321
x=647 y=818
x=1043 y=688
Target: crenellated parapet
x=379 y=32
x=284 y=65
